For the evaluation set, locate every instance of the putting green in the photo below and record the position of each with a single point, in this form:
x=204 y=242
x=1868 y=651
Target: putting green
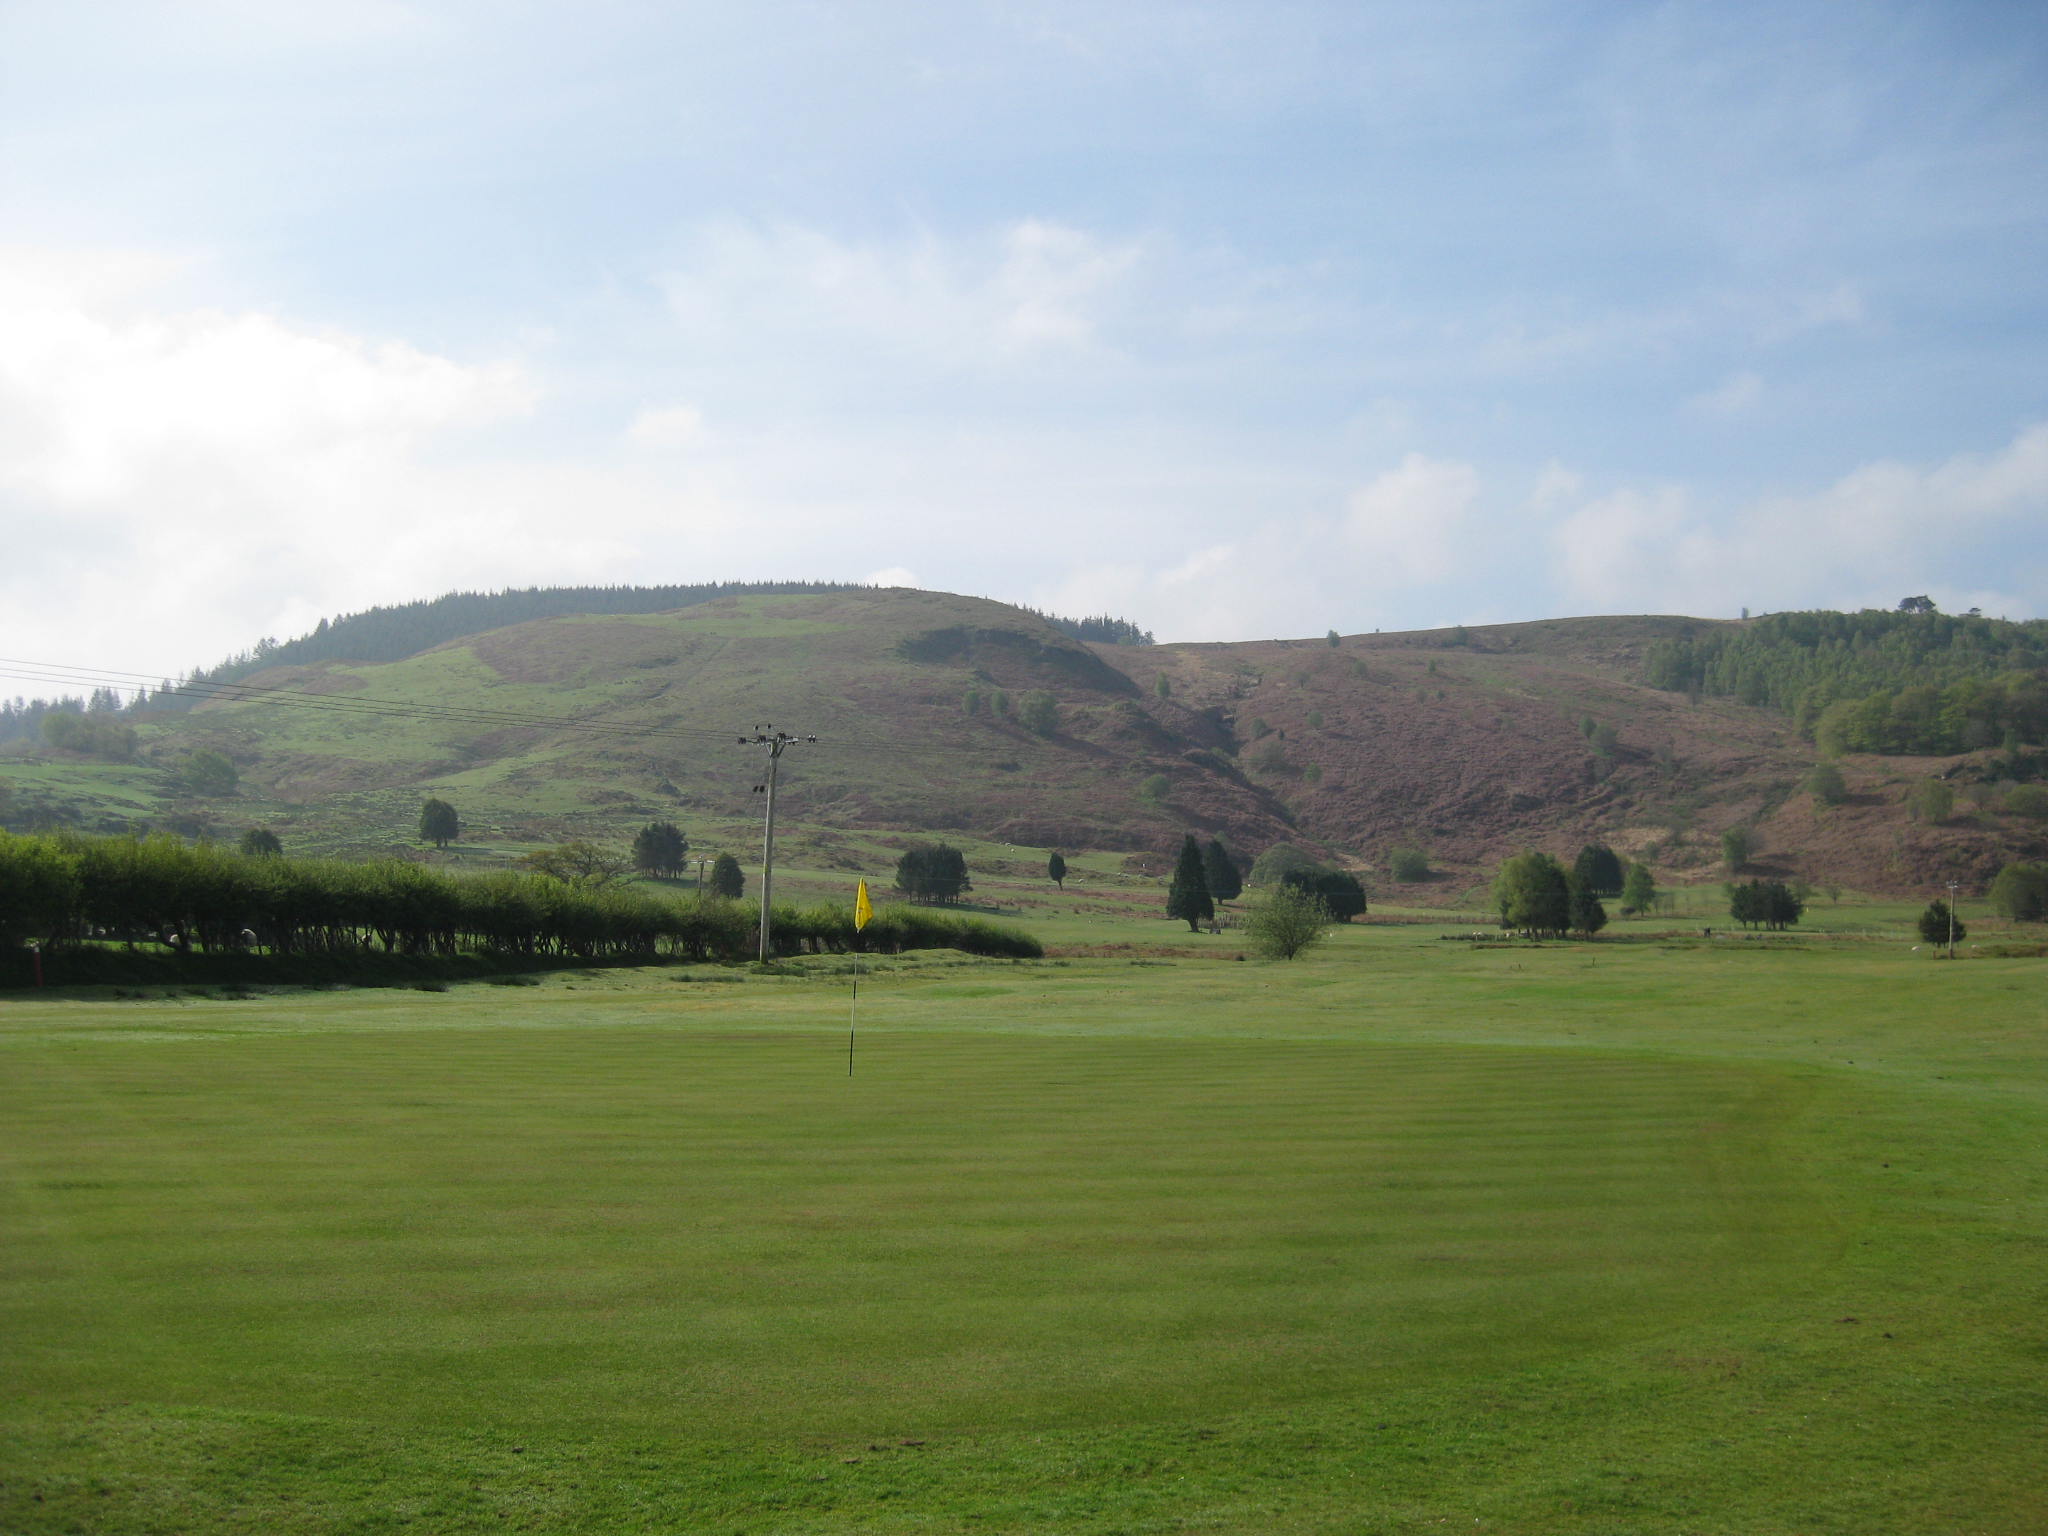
x=713 y=1234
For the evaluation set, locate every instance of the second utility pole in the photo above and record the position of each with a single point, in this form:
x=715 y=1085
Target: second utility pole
x=775 y=741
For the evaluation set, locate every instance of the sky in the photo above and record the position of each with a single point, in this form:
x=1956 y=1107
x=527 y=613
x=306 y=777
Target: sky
x=1234 y=320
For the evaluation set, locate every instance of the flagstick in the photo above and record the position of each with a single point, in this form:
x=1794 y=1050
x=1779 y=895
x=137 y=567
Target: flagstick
x=862 y=911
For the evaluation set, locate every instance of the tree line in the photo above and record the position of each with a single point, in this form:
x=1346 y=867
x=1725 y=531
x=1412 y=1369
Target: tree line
x=1913 y=681
x=1100 y=628
x=65 y=891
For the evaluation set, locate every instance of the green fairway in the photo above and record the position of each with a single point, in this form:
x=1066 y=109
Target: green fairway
x=1411 y=1234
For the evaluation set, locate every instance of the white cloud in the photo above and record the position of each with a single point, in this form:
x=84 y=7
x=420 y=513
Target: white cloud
x=1410 y=523
x=1031 y=288
x=1612 y=551
x=1219 y=591
x=1555 y=486
x=666 y=426
x=197 y=478
x=1737 y=395
x=1878 y=532
x=892 y=576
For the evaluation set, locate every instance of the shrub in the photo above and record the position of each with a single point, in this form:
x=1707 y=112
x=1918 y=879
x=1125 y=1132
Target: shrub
x=1039 y=713
x=1408 y=865
x=2028 y=800
x=1930 y=800
x=1287 y=922
x=1826 y=784
x=2021 y=892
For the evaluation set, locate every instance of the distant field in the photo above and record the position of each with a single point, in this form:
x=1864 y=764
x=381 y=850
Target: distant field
x=1410 y=1235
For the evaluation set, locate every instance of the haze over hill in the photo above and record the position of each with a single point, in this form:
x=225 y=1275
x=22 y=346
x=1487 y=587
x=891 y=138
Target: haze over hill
x=945 y=714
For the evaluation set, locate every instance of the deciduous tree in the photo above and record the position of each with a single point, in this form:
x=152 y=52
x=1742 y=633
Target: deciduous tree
x=1533 y=894
x=261 y=842
x=439 y=824
x=207 y=772
x=1056 y=870
x=726 y=878
x=579 y=863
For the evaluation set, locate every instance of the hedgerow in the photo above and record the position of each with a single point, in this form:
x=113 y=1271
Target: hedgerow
x=67 y=892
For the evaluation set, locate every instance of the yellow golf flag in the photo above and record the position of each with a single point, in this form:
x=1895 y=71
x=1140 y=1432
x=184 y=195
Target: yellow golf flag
x=863 y=909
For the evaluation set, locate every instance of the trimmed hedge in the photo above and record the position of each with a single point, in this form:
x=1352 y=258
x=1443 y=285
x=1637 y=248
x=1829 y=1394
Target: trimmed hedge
x=66 y=892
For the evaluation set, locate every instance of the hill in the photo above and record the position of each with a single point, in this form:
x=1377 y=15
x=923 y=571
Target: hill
x=940 y=714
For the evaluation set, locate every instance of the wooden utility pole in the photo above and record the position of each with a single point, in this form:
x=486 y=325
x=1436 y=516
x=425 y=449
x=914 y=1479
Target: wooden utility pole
x=776 y=742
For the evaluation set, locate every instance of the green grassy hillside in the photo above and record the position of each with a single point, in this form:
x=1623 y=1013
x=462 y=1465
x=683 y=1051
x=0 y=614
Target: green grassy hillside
x=1468 y=744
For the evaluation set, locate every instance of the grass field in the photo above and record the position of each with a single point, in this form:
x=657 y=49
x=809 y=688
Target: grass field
x=1407 y=1236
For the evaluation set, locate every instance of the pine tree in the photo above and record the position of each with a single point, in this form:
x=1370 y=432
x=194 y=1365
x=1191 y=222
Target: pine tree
x=1220 y=870
x=933 y=872
x=1598 y=870
x=660 y=849
x=1588 y=917
x=1940 y=926
x=1188 y=896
